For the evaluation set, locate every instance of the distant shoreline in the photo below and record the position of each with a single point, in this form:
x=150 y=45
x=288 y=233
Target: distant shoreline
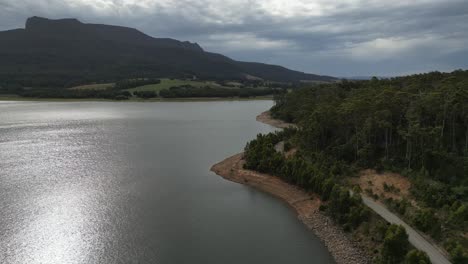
x=198 y=99
x=306 y=205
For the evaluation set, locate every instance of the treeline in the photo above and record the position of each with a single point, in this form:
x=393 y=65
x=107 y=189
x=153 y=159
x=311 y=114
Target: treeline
x=123 y=81
x=145 y=94
x=110 y=94
x=415 y=125
x=118 y=91
x=132 y=83
x=187 y=91
x=321 y=175
x=318 y=176
x=50 y=80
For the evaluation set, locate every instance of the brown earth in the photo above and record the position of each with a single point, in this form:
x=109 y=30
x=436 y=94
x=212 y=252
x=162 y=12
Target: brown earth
x=290 y=153
x=266 y=118
x=370 y=179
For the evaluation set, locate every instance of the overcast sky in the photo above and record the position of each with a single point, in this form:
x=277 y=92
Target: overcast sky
x=339 y=37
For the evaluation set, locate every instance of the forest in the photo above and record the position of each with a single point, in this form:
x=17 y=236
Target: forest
x=385 y=243
x=187 y=91
x=416 y=126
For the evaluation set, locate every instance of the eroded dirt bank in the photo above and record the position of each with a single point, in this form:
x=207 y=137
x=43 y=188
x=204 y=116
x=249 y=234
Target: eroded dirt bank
x=342 y=248
x=266 y=118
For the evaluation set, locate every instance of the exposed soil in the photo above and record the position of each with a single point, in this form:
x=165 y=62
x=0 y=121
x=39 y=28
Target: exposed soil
x=370 y=179
x=266 y=118
x=290 y=153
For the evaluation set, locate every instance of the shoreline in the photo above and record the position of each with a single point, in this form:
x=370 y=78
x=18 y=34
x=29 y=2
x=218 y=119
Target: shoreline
x=343 y=249
x=190 y=99
x=266 y=118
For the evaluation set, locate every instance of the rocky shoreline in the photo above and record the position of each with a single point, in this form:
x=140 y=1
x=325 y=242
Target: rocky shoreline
x=343 y=249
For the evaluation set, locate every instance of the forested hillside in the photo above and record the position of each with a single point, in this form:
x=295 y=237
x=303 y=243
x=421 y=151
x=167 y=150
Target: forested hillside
x=416 y=126
x=417 y=123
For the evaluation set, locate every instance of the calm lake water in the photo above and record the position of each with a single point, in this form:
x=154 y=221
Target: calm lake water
x=99 y=182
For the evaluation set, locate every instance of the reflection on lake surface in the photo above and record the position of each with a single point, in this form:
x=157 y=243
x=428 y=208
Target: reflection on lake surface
x=98 y=182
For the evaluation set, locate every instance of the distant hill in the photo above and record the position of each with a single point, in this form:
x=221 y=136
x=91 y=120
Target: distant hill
x=51 y=52
x=364 y=78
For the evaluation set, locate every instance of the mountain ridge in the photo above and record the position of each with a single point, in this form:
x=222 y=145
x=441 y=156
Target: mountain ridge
x=67 y=48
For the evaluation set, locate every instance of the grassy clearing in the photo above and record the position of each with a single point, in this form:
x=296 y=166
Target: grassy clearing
x=168 y=83
x=96 y=86
x=235 y=84
x=165 y=84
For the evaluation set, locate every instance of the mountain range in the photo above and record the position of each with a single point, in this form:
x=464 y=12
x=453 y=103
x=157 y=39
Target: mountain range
x=67 y=49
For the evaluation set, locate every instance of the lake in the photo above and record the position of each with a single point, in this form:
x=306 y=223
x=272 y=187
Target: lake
x=121 y=182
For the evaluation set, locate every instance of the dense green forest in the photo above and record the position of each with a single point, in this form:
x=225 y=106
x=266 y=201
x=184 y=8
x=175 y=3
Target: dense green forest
x=111 y=93
x=418 y=123
x=415 y=125
x=187 y=91
x=386 y=243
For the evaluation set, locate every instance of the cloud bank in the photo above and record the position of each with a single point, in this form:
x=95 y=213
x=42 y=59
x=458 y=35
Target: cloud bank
x=340 y=38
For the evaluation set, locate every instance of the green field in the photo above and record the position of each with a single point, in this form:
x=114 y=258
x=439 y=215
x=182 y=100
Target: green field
x=168 y=83
x=165 y=84
x=96 y=86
